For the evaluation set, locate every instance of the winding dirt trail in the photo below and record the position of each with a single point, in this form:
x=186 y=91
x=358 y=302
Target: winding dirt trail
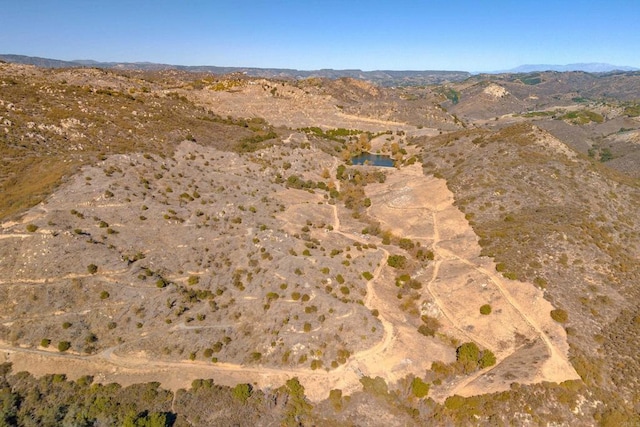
x=109 y=366
x=441 y=305
x=399 y=352
x=457 y=294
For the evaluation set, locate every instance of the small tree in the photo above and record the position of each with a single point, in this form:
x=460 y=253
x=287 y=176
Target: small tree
x=485 y=309
x=92 y=268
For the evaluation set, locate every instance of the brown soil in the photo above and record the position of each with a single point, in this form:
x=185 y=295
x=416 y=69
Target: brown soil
x=413 y=206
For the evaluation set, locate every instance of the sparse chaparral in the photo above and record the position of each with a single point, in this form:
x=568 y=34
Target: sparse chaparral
x=169 y=228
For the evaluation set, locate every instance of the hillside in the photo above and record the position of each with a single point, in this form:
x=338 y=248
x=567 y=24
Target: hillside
x=203 y=237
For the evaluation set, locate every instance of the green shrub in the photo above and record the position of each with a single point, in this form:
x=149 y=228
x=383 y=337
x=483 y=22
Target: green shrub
x=397 y=261
x=92 y=268
x=335 y=397
x=426 y=331
x=367 y=275
x=559 y=315
x=485 y=309
x=45 y=342
x=468 y=352
x=419 y=388
x=104 y=295
x=430 y=327
x=375 y=386
x=454 y=402
x=510 y=275
x=487 y=359
x=64 y=346
x=540 y=282
x=31 y=228
x=242 y=392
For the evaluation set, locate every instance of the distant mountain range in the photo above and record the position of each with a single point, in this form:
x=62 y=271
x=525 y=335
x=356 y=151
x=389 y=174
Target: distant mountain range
x=590 y=67
x=381 y=77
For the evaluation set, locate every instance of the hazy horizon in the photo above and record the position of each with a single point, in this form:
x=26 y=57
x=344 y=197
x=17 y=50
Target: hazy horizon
x=459 y=35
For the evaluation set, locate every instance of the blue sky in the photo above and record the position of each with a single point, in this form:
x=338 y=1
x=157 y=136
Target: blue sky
x=395 y=35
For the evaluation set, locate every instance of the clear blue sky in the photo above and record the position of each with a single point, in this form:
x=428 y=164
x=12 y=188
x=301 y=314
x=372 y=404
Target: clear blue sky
x=376 y=34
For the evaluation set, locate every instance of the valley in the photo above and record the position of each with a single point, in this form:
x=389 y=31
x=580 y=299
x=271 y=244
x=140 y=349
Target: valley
x=165 y=226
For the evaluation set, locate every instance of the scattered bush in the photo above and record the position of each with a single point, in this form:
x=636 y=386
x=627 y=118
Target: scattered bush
x=242 y=392
x=468 y=352
x=92 y=268
x=559 y=315
x=485 y=309
x=419 y=388
x=487 y=359
x=397 y=261
x=64 y=346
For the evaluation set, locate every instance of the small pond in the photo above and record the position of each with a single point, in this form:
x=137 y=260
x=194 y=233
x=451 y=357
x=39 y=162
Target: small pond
x=372 y=160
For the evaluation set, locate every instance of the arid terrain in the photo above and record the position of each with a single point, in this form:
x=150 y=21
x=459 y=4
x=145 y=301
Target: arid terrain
x=163 y=229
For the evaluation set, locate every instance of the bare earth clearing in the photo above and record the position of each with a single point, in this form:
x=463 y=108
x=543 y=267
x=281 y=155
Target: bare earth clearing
x=529 y=346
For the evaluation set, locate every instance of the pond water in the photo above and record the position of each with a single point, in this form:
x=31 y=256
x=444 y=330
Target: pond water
x=372 y=160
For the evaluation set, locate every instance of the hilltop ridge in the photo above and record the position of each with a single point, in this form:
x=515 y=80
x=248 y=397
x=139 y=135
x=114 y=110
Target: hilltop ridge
x=382 y=77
